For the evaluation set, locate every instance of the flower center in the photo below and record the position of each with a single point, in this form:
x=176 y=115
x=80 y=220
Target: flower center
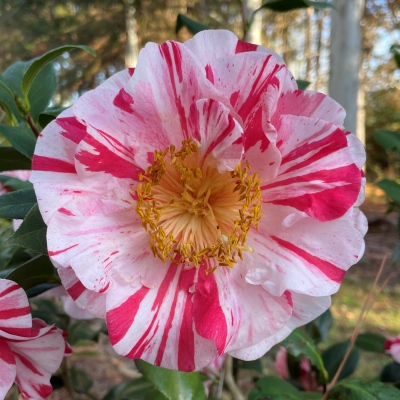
x=194 y=213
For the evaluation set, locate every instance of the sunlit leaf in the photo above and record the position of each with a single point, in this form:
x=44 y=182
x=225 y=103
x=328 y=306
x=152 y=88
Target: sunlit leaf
x=174 y=385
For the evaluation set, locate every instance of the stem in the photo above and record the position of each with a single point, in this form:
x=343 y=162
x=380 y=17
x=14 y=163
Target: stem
x=230 y=381
x=32 y=125
x=367 y=304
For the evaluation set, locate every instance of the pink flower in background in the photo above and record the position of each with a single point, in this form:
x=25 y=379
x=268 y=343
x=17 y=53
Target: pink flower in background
x=201 y=203
x=30 y=350
x=392 y=347
x=22 y=175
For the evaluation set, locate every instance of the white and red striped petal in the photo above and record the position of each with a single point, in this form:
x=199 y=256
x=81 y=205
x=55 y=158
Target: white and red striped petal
x=218 y=133
x=36 y=360
x=290 y=251
x=305 y=309
x=8 y=368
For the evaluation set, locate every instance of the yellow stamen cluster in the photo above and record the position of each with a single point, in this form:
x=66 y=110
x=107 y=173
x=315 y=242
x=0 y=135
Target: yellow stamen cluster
x=194 y=213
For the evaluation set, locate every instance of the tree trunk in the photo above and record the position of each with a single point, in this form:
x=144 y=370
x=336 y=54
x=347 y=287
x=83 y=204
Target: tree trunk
x=132 y=40
x=308 y=49
x=345 y=57
x=252 y=33
x=321 y=16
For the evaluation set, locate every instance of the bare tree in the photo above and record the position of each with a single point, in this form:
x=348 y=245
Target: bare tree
x=132 y=40
x=252 y=33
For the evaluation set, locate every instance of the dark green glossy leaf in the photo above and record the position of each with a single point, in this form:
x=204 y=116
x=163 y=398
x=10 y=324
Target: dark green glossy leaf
x=34 y=272
x=47 y=116
x=371 y=342
x=303 y=85
x=14 y=183
x=32 y=232
x=355 y=389
x=20 y=137
x=138 y=389
x=389 y=140
x=47 y=310
x=11 y=159
x=391 y=373
x=39 y=63
x=41 y=288
x=17 y=204
x=193 y=26
x=288 y=5
x=254 y=365
x=81 y=380
x=174 y=385
x=391 y=188
x=274 y=388
x=319 y=328
x=299 y=344
x=334 y=355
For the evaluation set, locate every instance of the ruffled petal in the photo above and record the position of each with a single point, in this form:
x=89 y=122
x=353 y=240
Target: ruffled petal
x=91 y=303
x=219 y=134
x=295 y=252
x=15 y=314
x=36 y=360
x=8 y=368
x=156 y=325
x=305 y=309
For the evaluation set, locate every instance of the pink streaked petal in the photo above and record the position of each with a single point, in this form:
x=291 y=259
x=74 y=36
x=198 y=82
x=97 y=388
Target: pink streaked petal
x=15 y=313
x=92 y=304
x=157 y=324
x=305 y=309
x=234 y=314
x=300 y=252
x=8 y=368
x=310 y=104
x=36 y=361
x=100 y=152
x=108 y=241
x=219 y=134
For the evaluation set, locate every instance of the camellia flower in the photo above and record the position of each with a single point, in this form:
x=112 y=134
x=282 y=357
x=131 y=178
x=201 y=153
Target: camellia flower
x=30 y=350
x=392 y=347
x=201 y=203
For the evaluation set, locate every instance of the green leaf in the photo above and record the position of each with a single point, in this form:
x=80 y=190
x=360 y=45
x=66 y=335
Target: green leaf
x=20 y=137
x=299 y=344
x=303 y=85
x=34 y=272
x=11 y=159
x=389 y=140
x=254 y=365
x=31 y=234
x=48 y=310
x=14 y=183
x=80 y=330
x=371 y=342
x=39 y=63
x=319 y=328
x=391 y=188
x=137 y=389
x=193 y=26
x=174 y=385
x=355 y=389
x=17 y=204
x=333 y=357
x=49 y=115
x=391 y=373
x=285 y=5
x=274 y=388
x=395 y=50
x=81 y=380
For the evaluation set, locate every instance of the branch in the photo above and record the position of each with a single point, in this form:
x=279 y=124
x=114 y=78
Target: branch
x=32 y=125
x=230 y=381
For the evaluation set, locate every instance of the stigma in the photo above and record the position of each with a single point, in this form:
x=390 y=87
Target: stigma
x=195 y=214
